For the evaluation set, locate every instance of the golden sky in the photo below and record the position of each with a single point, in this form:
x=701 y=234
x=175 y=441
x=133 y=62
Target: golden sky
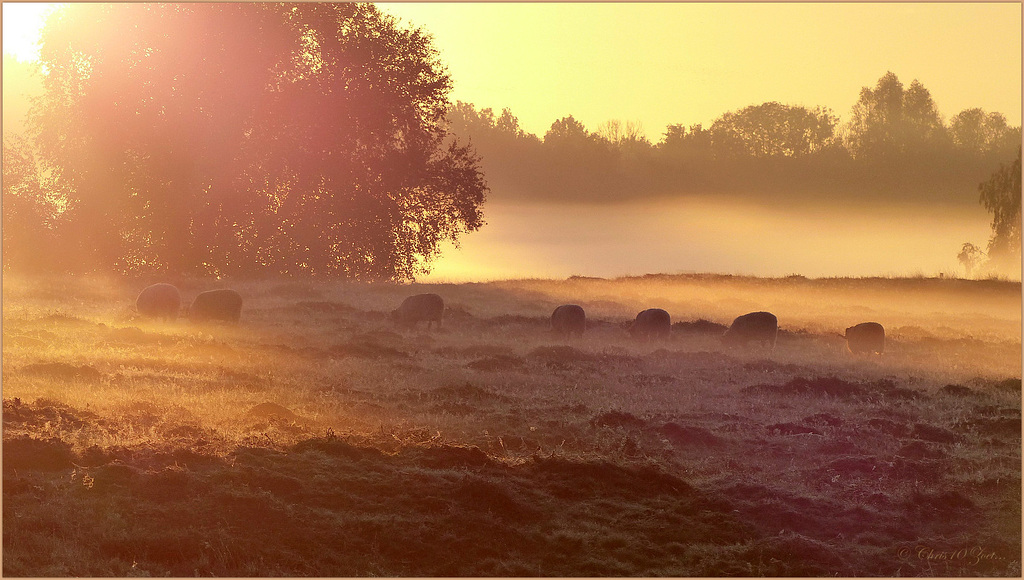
x=662 y=63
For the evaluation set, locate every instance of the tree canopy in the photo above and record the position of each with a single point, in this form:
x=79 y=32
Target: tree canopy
x=27 y=212
x=252 y=138
x=773 y=129
x=1001 y=195
x=890 y=121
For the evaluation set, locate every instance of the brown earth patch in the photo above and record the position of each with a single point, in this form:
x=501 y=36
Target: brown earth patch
x=618 y=419
x=26 y=452
x=497 y=363
x=934 y=434
x=268 y=410
x=888 y=427
x=835 y=387
x=770 y=366
x=920 y=450
x=476 y=351
x=62 y=371
x=996 y=426
x=690 y=436
x=958 y=391
x=644 y=380
x=791 y=429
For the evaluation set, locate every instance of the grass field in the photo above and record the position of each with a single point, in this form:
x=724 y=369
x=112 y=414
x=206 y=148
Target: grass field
x=315 y=438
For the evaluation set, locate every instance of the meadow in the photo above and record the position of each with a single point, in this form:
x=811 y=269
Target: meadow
x=316 y=438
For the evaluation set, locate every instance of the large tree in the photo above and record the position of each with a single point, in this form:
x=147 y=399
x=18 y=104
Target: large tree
x=255 y=138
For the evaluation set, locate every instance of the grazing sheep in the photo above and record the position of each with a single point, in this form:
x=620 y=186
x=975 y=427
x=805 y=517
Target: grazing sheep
x=159 y=301
x=756 y=326
x=569 y=319
x=651 y=323
x=866 y=337
x=429 y=307
x=225 y=305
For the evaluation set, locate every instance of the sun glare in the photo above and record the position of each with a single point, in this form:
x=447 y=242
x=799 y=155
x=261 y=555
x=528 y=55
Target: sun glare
x=23 y=22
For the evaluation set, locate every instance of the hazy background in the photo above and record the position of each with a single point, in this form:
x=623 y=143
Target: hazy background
x=708 y=235
x=657 y=64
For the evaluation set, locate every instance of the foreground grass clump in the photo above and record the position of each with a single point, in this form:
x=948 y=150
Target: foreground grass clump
x=317 y=439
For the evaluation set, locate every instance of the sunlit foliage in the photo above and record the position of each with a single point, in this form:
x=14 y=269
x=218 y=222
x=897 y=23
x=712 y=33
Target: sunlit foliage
x=29 y=215
x=252 y=138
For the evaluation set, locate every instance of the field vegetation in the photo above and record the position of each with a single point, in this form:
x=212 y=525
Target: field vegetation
x=317 y=438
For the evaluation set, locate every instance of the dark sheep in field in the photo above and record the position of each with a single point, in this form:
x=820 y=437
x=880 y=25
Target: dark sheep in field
x=224 y=305
x=159 y=301
x=429 y=307
x=866 y=337
x=569 y=319
x=752 y=327
x=651 y=323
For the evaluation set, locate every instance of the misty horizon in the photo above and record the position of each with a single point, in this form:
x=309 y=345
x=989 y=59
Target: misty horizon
x=708 y=235
x=345 y=177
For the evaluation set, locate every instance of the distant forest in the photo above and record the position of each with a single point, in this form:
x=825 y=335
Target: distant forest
x=894 y=146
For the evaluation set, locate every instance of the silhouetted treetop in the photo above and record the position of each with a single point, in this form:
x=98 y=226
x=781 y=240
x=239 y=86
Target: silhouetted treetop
x=772 y=130
x=297 y=139
x=464 y=119
x=568 y=132
x=975 y=131
x=889 y=121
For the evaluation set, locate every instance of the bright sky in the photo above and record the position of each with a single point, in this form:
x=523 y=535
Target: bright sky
x=22 y=22
x=662 y=63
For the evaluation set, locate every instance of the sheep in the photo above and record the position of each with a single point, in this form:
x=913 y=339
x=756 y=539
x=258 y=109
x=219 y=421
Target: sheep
x=159 y=301
x=755 y=326
x=866 y=337
x=224 y=305
x=651 y=323
x=429 y=307
x=569 y=319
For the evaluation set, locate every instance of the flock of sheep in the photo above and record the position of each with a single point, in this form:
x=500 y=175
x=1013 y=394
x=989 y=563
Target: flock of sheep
x=164 y=301
x=755 y=327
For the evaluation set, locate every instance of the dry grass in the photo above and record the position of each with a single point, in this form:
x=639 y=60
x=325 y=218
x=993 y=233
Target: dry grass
x=315 y=438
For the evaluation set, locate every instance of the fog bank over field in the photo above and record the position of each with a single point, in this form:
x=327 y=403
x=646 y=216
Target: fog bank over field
x=705 y=234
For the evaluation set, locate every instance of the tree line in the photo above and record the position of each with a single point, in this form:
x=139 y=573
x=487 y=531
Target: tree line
x=895 y=145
